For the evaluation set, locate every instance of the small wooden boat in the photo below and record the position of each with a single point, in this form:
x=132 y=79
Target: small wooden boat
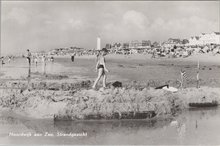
x=114 y=116
x=203 y=104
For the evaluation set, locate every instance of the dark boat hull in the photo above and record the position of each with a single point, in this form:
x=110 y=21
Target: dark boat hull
x=202 y=105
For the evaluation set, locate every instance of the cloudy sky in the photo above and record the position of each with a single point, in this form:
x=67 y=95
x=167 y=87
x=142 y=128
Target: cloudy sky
x=46 y=25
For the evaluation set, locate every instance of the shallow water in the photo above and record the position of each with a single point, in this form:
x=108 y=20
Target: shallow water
x=191 y=127
x=124 y=69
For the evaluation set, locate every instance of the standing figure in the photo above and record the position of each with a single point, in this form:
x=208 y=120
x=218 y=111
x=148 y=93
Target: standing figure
x=101 y=68
x=73 y=57
x=52 y=59
x=2 y=60
x=36 y=60
x=183 y=77
x=9 y=59
x=44 y=64
x=29 y=57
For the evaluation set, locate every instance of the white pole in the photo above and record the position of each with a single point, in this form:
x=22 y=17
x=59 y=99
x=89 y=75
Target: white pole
x=181 y=76
x=197 y=75
x=98 y=43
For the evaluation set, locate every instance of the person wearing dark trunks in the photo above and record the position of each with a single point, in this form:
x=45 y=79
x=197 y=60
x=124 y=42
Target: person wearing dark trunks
x=101 y=68
x=73 y=56
x=29 y=57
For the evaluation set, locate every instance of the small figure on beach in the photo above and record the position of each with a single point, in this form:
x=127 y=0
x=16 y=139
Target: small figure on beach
x=73 y=56
x=183 y=78
x=9 y=59
x=28 y=57
x=154 y=53
x=35 y=60
x=44 y=59
x=52 y=59
x=101 y=68
x=2 y=60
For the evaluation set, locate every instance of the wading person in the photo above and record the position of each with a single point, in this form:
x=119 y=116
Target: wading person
x=73 y=57
x=35 y=60
x=2 y=61
x=44 y=59
x=101 y=68
x=29 y=57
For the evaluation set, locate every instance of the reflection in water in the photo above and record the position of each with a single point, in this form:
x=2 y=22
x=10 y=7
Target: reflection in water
x=101 y=127
x=29 y=76
x=191 y=127
x=29 y=72
x=44 y=68
x=196 y=124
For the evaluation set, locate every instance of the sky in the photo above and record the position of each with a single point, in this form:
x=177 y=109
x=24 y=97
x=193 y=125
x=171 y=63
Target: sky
x=45 y=25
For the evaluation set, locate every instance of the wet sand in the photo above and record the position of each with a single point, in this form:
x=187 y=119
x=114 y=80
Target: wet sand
x=122 y=68
x=142 y=68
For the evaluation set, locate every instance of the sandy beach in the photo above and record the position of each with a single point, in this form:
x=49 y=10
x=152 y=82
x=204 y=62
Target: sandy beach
x=123 y=68
x=65 y=90
x=109 y=73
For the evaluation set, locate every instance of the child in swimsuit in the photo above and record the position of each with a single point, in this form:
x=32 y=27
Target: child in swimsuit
x=101 y=68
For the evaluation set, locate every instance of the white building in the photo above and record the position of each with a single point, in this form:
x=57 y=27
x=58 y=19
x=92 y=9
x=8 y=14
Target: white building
x=212 y=38
x=205 y=39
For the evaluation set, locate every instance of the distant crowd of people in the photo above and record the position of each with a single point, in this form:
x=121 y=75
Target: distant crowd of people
x=183 y=51
x=6 y=59
x=170 y=52
x=156 y=52
x=36 y=58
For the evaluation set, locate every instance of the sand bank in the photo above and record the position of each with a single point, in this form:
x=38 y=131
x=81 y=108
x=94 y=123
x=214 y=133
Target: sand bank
x=82 y=103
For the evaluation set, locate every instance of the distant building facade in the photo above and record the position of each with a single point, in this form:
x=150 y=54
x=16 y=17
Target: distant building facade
x=205 y=39
x=108 y=46
x=144 y=44
x=125 y=45
x=172 y=42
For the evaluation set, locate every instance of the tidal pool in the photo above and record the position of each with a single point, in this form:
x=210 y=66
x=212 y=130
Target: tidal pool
x=192 y=127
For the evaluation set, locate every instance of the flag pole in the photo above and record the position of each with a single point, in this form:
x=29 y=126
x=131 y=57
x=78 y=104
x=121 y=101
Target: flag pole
x=181 y=78
x=197 y=75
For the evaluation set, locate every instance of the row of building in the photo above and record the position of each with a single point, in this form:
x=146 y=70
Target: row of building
x=205 y=38
x=201 y=40
x=144 y=45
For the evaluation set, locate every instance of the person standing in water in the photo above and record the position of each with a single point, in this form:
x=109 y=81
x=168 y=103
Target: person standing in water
x=29 y=57
x=73 y=57
x=2 y=60
x=35 y=60
x=44 y=59
x=101 y=68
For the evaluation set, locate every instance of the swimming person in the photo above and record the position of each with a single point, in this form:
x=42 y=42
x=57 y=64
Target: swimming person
x=29 y=57
x=101 y=68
